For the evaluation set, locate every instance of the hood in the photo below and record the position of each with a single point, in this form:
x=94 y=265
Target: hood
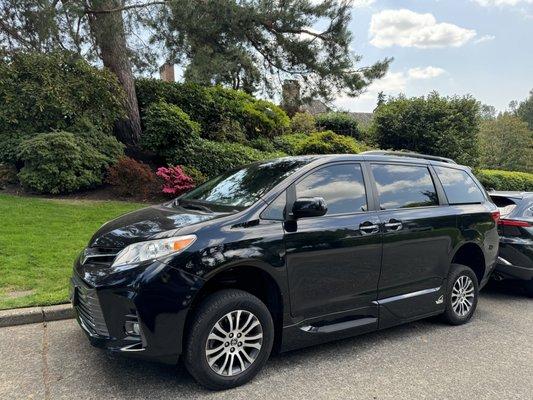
x=143 y=224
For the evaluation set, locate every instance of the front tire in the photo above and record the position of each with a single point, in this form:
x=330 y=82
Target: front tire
x=229 y=340
x=462 y=293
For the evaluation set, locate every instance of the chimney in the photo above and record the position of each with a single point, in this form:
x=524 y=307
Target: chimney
x=166 y=72
x=291 y=101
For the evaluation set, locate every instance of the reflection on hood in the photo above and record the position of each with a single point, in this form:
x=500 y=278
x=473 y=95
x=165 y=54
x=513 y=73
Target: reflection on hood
x=143 y=224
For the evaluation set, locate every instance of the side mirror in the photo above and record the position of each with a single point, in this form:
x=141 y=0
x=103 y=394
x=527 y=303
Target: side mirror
x=305 y=207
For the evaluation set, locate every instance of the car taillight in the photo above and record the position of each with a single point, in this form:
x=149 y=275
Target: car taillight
x=513 y=222
x=495 y=216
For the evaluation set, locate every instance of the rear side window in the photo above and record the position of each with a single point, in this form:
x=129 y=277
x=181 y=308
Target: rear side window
x=341 y=185
x=459 y=187
x=404 y=186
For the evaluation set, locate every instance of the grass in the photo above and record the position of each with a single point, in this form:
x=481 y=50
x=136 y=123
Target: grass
x=39 y=240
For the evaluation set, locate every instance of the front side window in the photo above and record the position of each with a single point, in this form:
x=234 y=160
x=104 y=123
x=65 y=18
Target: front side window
x=404 y=186
x=341 y=186
x=459 y=187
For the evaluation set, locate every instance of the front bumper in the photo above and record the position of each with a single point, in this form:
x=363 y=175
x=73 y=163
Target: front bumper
x=157 y=298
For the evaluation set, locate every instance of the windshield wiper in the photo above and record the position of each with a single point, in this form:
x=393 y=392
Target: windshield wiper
x=193 y=206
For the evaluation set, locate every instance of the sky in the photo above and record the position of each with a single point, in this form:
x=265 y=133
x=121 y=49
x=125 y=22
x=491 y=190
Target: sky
x=456 y=47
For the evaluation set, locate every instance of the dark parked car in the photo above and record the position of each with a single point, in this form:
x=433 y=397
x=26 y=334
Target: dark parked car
x=284 y=254
x=515 y=259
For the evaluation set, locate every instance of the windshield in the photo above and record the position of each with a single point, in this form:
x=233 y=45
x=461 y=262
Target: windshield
x=243 y=187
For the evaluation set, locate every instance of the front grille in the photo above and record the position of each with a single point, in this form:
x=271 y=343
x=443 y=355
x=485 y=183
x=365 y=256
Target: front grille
x=98 y=255
x=89 y=310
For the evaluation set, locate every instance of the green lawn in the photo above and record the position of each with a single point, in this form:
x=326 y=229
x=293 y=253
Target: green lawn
x=39 y=240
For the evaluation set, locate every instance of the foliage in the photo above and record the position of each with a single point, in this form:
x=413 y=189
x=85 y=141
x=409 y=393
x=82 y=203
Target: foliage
x=244 y=45
x=329 y=143
x=197 y=177
x=30 y=260
x=435 y=125
x=263 y=144
x=341 y=123
x=290 y=144
x=223 y=114
x=506 y=143
x=131 y=178
x=168 y=129
x=505 y=180
x=60 y=162
x=9 y=143
x=8 y=174
x=45 y=92
x=213 y=158
x=524 y=110
x=303 y=122
x=175 y=180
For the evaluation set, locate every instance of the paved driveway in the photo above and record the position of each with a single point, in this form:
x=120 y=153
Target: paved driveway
x=490 y=358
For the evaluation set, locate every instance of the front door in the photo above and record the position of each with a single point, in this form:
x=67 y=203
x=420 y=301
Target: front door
x=417 y=239
x=333 y=261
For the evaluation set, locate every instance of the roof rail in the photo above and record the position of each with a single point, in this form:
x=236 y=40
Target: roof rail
x=408 y=154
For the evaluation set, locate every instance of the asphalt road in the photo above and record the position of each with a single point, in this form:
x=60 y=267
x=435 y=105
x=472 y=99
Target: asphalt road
x=489 y=358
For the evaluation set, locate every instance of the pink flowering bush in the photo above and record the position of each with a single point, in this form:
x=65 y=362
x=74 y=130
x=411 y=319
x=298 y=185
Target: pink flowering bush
x=175 y=181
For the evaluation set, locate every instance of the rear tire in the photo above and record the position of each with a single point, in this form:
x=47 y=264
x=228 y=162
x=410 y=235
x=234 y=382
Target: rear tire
x=461 y=296
x=229 y=340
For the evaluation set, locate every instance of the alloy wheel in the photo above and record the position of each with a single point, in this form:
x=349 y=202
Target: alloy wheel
x=463 y=294
x=234 y=343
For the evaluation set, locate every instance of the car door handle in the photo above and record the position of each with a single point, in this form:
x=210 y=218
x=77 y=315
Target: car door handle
x=393 y=225
x=368 y=228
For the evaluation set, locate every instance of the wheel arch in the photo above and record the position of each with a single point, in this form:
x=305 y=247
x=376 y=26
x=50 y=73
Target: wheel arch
x=252 y=279
x=471 y=254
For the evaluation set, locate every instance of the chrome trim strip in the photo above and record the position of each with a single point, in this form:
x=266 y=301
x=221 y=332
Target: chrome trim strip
x=407 y=295
x=503 y=261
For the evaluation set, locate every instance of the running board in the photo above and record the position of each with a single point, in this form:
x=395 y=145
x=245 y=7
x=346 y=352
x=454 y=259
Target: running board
x=339 y=326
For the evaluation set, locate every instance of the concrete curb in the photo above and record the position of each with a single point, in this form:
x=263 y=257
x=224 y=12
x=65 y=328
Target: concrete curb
x=33 y=315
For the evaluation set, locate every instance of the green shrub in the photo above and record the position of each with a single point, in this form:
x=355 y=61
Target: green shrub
x=341 y=123
x=263 y=144
x=303 y=122
x=8 y=174
x=434 y=125
x=329 y=143
x=211 y=106
x=195 y=174
x=61 y=162
x=290 y=144
x=227 y=130
x=9 y=143
x=213 y=158
x=168 y=130
x=505 y=180
x=44 y=92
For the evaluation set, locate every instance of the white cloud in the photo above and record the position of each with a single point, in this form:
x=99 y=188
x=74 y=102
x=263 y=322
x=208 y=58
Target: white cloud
x=425 y=72
x=484 y=38
x=502 y=3
x=406 y=28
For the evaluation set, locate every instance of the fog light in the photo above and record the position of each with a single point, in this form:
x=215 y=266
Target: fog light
x=132 y=328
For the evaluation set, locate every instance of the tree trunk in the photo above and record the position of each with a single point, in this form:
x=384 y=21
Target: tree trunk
x=108 y=32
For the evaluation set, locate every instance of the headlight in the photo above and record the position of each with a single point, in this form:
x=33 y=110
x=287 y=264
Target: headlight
x=152 y=249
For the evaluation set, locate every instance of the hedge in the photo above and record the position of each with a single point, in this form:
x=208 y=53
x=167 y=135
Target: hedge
x=341 y=123
x=213 y=158
x=505 y=180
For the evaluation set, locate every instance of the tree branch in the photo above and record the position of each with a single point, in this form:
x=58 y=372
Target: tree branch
x=125 y=8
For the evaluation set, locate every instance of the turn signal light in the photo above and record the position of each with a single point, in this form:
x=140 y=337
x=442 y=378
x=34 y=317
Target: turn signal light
x=495 y=216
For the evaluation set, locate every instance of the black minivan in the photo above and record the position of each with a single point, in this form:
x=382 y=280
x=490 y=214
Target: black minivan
x=287 y=253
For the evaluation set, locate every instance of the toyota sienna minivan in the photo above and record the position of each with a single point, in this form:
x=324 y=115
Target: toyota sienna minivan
x=287 y=253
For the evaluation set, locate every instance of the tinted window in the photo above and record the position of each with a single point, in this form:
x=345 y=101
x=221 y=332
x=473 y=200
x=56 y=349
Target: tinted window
x=459 y=187
x=401 y=186
x=341 y=186
x=243 y=187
